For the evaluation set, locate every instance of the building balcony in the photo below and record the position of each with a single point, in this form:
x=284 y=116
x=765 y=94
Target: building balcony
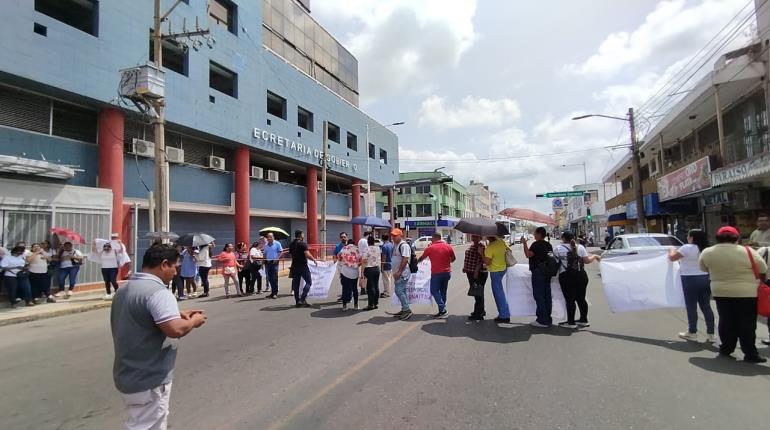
x=649 y=185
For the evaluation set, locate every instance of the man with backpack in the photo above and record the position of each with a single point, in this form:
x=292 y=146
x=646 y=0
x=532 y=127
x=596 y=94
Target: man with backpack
x=543 y=265
x=402 y=253
x=574 y=279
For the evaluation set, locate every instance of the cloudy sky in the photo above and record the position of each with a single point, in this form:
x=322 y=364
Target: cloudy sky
x=487 y=87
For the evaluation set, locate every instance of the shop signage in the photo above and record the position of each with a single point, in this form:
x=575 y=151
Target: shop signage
x=297 y=150
x=426 y=223
x=557 y=204
x=689 y=179
x=755 y=166
x=716 y=199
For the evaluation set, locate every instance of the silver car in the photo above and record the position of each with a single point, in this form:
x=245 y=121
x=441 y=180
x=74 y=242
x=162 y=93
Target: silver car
x=629 y=244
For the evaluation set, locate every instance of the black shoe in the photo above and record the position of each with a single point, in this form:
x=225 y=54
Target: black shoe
x=305 y=304
x=405 y=316
x=441 y=314
x=475 y=318
x=754 y=359
x=203 y=295
x=727 y=355
x=766 y=342
x=502 y=320
x=298 y=305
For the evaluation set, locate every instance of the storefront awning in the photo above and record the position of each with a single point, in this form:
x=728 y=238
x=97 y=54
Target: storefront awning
x=27 y=166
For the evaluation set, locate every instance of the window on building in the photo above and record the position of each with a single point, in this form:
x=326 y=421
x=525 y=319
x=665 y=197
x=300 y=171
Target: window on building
x=400 y=211
x=304 y=118
x=422 y=189
x=333 y=132
x=174 y=56
x=223 y=14
x=406 y=190
x=73 y=122
x=81 y=14
x=223 y=80
x=276 y=105
x=425 y=210
x=372 y=151
x=383 y=156
x=352 y=141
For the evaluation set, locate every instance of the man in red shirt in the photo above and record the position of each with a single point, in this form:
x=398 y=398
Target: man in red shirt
x=441 y=257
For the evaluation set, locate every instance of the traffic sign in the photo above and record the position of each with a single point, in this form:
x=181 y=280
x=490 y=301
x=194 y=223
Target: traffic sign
x=561 y=194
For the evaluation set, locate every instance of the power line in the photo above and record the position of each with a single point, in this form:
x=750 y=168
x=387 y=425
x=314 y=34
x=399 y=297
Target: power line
x=513 y=157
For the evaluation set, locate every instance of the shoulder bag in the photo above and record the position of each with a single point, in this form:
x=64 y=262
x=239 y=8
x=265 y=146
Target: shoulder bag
x=510 y=260
x=763 y=290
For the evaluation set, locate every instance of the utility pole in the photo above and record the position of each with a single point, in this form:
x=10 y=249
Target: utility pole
x=161 y=195
x=323 y=192
x=637 y=175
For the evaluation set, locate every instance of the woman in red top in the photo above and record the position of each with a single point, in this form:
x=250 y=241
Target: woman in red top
x=230 y=264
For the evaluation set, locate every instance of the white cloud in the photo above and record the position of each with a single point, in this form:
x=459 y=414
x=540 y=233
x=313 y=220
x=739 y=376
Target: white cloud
x=674 y=30
x=401 y=44
x=472 y=112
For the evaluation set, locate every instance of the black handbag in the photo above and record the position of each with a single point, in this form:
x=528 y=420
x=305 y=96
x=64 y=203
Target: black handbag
x=476 y=289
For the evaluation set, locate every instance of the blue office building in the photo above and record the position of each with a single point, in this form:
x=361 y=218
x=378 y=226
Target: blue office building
x=245 y=108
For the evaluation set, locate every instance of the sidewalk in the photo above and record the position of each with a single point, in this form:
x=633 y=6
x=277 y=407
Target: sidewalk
x=79 y=302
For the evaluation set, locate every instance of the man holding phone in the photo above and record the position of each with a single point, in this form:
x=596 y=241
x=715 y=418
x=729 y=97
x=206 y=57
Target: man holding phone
x=145 y=319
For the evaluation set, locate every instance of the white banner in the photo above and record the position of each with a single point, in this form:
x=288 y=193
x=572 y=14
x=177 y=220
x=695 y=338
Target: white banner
x=322 y=276
x=518 y=293
x=641 y=282
x=123 y=257
x=418 y=286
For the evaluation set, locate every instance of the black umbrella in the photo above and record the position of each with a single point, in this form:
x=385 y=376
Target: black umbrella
x=482 y=227
x=195 y=239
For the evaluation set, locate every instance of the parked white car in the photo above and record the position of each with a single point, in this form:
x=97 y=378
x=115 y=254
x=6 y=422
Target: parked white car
x=422 y=242
x=629 y=244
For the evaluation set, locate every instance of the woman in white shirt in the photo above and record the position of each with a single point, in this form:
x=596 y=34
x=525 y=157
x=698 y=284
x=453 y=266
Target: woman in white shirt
x=39 y=279
x=349 y=260
x=573 y=278
x=372 y=259
x=696 y=285
x=70 y=260
x=108 y=256
x=16 y=280
x=204 y=265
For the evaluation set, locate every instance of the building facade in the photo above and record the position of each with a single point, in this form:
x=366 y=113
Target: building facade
x=481 y=200
x=245 y=109
x=707 y=162
x=426 y=202
x=585 y=214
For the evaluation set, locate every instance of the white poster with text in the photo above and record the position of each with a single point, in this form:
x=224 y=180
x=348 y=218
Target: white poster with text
x=642 y=282
x=418 y=286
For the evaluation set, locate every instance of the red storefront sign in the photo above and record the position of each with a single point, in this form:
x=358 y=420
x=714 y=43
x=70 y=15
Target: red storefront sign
x=689 y=179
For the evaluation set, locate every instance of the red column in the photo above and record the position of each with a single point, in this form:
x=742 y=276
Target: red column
x=355 y=202
x=111 y=123
x=242 y=194
x=311 y=188
x=392 y=209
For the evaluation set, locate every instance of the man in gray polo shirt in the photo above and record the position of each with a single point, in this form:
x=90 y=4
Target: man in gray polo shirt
x=143 y=318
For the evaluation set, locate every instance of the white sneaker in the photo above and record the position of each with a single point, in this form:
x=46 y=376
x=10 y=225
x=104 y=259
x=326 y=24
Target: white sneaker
x=538 y=325
x=107 y=297
x=193 y=295
x=711 y=338
x=50 y=299
x=67 y=294
x=59 y=294
x=693 y=337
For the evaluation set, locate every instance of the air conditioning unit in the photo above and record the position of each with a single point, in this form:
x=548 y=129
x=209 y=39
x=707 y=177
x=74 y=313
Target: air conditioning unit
x=216 y=163
x=174 y=155
x=257 y=172
x=143 y=148
x=272 y=175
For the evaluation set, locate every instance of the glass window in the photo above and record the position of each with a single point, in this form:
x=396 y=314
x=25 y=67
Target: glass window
x=333 y=132
x=383 y=156
x=73 y=122
x=425 y=210
x=352 y=141
x=173 y=53
x=305 y=118
x=406 y=190
x=223 y=80
x=222 y=13
x=372 y=151
x=422 y=189
x=81 y=14
x=400 y=211
x=276 y=105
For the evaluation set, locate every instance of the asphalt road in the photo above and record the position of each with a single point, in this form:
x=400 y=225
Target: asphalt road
x=260 y=364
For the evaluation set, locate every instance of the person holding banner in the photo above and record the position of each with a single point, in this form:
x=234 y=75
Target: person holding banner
x=696 y=285
x=402 y=252
x=371 y=259
x=574 y=279
x=733 y=270
x=299 y=269
x=349 y=259
x=541 y=282
x=494 y=259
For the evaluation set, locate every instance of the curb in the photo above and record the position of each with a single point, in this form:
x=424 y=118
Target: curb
x=57 y=313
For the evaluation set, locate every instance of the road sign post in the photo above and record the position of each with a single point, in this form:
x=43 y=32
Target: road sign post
x=563 y=194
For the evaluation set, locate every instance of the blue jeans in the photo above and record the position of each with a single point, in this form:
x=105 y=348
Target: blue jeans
x=71 y=272
x=498 y=291
x=697 y=292
x=349 y=289
x=17 y=287
x=298 y=273
x=541 y=291
x=439 y=282
x=271 y=271
x=400 y=288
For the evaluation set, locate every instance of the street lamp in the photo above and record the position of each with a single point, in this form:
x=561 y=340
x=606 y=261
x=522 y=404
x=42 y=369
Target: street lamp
x=635 y=163
x=369 y=209
x=585 y=176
